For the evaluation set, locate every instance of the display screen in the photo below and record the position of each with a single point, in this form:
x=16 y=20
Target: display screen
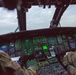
x=60 y=41
x=45 y=47
x=72 y=45
x=52 y=41
x=4 y=48
x=18 y=45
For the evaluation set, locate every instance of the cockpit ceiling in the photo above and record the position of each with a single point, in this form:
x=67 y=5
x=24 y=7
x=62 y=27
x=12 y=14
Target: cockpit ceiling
x=37 y=2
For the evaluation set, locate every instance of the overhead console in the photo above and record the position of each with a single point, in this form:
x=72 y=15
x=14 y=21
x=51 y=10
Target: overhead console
x=42 y=48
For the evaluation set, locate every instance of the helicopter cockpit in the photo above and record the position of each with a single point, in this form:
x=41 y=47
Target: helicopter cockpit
x=44 y=48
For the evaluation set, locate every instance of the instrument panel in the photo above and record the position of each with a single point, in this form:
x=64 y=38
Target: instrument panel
x=41 y=48
x=48 y=45
x=49 y=41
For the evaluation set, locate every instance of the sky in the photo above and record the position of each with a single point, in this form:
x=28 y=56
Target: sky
x=37 y=18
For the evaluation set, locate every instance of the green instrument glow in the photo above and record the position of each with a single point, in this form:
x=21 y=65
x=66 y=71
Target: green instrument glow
x=45 y=47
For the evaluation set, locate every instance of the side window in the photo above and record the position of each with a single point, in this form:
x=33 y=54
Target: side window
x=8 y=21
x=69 y=17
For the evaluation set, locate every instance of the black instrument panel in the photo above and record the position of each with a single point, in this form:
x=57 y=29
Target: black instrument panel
x=56 y=40
x=42 y=48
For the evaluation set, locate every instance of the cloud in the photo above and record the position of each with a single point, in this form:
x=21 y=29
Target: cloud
x=69 y=17
x=40 y=18
x=8 y=21
x=37 y=18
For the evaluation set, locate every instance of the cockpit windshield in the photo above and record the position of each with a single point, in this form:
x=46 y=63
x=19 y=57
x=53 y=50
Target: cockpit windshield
x=36 y=18
x=8 y=21
x=69 y=17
